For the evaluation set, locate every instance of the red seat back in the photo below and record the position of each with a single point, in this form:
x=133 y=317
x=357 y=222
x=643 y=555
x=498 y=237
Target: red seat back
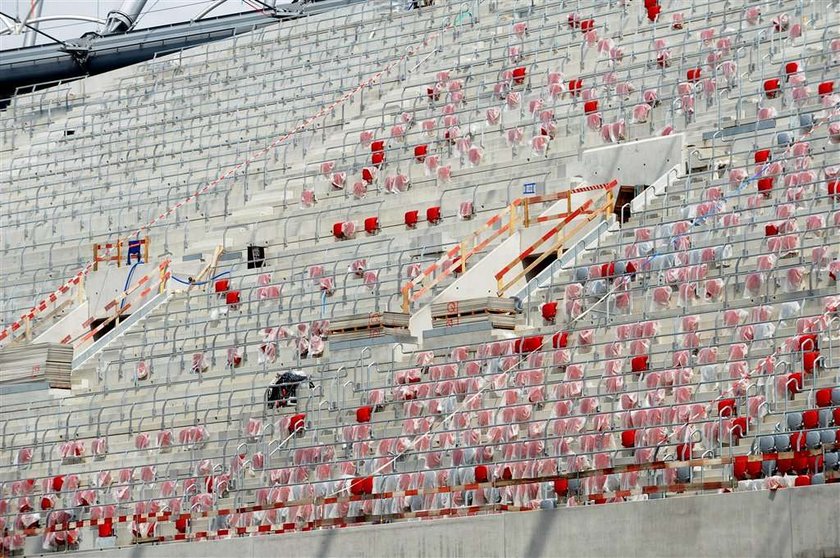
x=420 y=152
x=575 y=85
x=337 y=230
x=549 y=311
x=561 y=486
x=809 y=361
x=694 y=74
x=232 y=297
x=771 y=88
x=377 y=159
x=377 y=146
x=221 y=285
x=762 y=156
x=639 y=364
x=519 y=75
x=297 y=421
x=433 y=214
x=771 y=230
x=765 y=184
x=628 y=439
x=824 y=397
x=411 y=218
x=791 y=68
x=726 y=407
x=481 y=474
x=363 y=414
x=825 y=88
x=107 y=529
x=367 y=175
x=371 y=225
x=590 y=106
x=794 y=382
x=560 y=340
x=810 y=419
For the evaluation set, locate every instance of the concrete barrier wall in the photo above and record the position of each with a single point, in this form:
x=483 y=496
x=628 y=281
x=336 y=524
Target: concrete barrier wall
x=796 y=523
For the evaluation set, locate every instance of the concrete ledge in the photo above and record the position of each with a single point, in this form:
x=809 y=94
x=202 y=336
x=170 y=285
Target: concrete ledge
x=801 y=522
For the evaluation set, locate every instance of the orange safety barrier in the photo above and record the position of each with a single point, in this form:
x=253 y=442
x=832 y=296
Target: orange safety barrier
x=557 y=235
x=132 y=248
x=516 y=214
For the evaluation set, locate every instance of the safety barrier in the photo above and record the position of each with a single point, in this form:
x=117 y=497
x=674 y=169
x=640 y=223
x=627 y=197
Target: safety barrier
x=590 y=209
x=516 y=215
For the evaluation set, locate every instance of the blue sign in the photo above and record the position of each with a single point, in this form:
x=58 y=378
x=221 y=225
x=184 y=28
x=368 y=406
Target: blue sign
x=529 y=188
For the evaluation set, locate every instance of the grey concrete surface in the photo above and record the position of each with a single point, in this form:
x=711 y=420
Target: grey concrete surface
x=795 y=523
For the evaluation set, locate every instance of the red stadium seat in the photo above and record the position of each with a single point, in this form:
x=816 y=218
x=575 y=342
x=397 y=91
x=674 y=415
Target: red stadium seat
x=377 y=159
x=639 y=364
x=363 y=414
x=377 y=146
x=560 y=340
x=825 y=88
x=628 y=439
x=296 y=422
x=832 y=188
x=794 y=383
x=739 y=467
x=590 y=106
x=771 y=230
x=420 y=153
x=411 y=218
x=561 y=486
x=684 y=451
x=587 y=25
x=802 y=480
x=765 y=185
x=809 y=361
x=653 y=12
x=771 y=88
x=823 y=397
x=371 y=225
x=337 y=230
x=433 y=215
x=519 y=75
x=549 y=311
x=361 y=486
x=806 y=342
x=481 y=474
x=221 y=285
x=107 y=529
x=791 y=68
x=694 y=74
x=575 y=86
x=367 y=175
x=726 y=408
x=528 y=344
x=762 y=156
x=232 y=298
x=810 y=419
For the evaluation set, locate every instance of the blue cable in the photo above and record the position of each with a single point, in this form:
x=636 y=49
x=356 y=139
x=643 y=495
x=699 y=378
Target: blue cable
x=718 y=204
x=128 y=280
x=201 y=282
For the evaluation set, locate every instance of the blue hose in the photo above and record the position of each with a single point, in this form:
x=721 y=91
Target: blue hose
x=201 y=282
x=128 y=280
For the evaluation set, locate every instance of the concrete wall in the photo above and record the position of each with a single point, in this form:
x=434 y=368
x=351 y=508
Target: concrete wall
x=802 y=523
